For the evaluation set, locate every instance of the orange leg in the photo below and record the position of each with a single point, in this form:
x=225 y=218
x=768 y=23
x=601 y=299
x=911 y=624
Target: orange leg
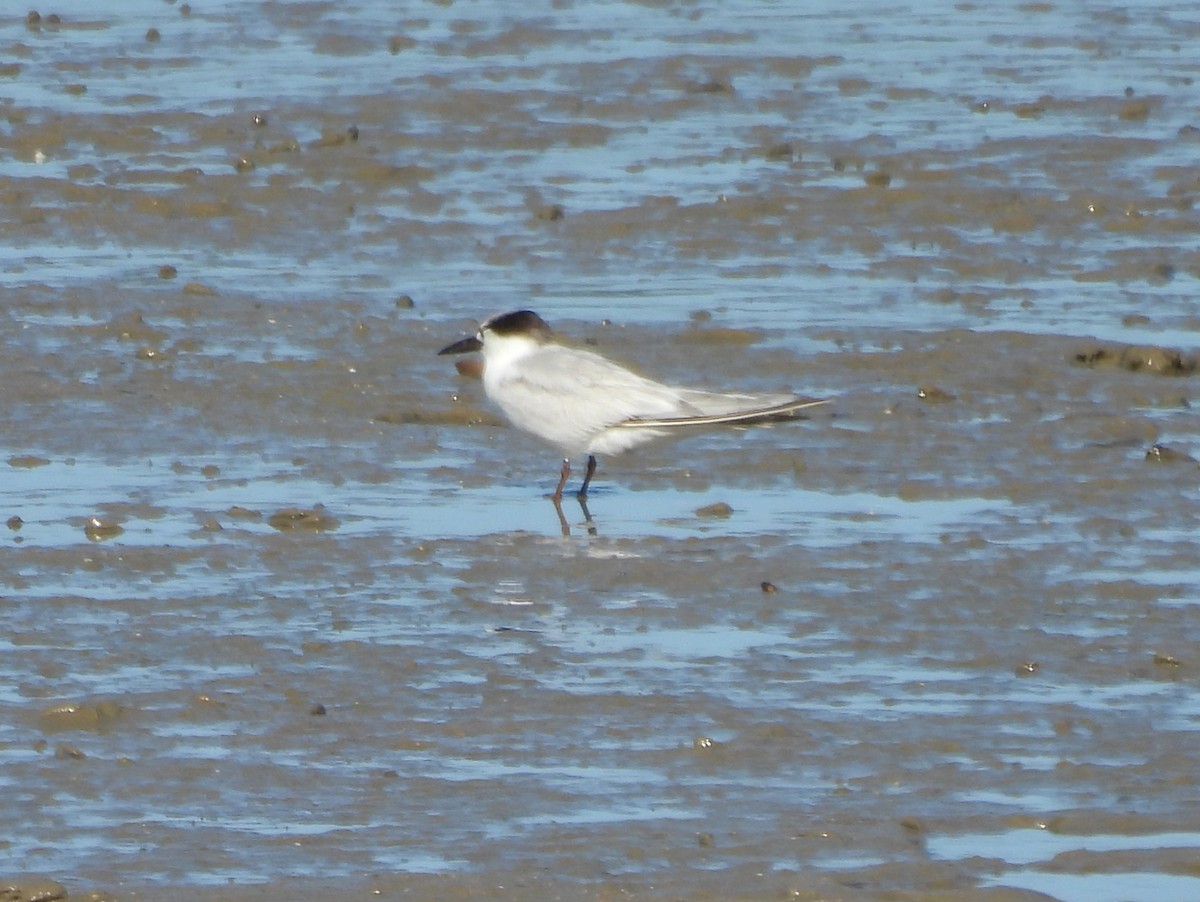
x=562 y=480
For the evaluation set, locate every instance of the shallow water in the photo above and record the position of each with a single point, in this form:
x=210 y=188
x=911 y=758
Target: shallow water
x=285 y=610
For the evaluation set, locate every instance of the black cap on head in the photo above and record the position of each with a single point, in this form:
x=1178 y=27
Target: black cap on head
x=519 y=322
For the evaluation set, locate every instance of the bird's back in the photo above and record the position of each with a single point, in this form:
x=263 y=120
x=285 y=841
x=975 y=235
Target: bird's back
x=581 y=402
x=566 y=395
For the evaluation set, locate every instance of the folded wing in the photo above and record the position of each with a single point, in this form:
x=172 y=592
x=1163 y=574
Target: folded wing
x=580 y=401
x=745 y=409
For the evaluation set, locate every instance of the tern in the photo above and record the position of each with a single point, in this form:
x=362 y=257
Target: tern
x=582 y=403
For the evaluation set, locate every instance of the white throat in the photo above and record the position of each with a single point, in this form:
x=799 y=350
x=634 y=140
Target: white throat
x=501 y=352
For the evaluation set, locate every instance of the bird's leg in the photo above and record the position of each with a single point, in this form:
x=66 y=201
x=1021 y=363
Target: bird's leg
x=562 y=520
x=587 y=476
x=562 y=480
x=588 y=522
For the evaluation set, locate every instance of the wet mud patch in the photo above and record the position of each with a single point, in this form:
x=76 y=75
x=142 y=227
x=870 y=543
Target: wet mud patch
x=631 y=700
x=445 y=630
x=1160 y=361
x=284 y=612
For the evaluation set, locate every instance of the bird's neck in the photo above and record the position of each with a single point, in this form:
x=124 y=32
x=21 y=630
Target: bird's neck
x=499 y=355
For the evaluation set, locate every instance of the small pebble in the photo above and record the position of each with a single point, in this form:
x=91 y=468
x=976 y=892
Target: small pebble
x=291 y=519
x=97 y=529
x=931 y=394
x=1164 y=454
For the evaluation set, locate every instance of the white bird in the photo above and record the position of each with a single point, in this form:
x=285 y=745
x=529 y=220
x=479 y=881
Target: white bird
x=583 y=403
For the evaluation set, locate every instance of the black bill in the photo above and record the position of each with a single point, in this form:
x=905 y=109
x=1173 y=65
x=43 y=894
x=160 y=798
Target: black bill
x=464 y=346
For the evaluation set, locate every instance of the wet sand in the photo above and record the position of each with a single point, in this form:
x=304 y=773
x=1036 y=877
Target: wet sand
x=285 y=613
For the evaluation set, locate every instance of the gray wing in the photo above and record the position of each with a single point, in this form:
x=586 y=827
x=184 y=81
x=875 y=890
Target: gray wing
x=584 y=392
x=579 y=401
x=733 y=409
x=585 y=389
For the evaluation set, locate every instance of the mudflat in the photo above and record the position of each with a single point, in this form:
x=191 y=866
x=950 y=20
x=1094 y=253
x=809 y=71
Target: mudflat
x=284 y=612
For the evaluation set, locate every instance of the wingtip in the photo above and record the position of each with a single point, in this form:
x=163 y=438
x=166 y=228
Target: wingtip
x=782 y=411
